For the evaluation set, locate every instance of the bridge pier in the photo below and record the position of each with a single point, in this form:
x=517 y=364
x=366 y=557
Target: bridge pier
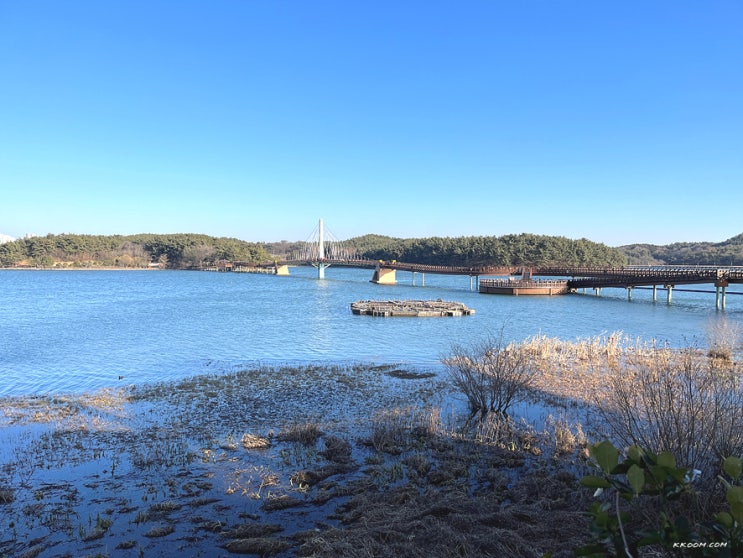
x=477 y=282
x=384 y=276
x=282 y=270
x=655 y=293
x=669 y=295
x=423 y=278
x=720 y=289
x=629 y=293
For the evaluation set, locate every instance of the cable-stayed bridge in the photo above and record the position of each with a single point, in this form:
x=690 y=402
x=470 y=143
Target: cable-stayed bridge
x=322 y=250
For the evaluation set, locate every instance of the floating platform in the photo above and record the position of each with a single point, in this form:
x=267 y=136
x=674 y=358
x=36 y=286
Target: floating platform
x=523 y=287
x=410 y=308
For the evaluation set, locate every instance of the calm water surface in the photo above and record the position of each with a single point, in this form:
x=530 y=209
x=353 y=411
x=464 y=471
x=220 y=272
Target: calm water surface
x=72 y=331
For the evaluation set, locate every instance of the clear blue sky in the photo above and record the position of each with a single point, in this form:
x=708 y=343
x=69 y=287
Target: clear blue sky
x=617 y=121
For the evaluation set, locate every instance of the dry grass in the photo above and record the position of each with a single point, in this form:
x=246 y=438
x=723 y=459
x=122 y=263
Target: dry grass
x=385 y=467
x=306 y=433
x=448 y=521
x=254 y=441
x=7 y=495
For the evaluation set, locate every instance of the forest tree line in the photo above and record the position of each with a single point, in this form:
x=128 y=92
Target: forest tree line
x=515 y=249
x=728 y=252
x=184 y=251
x=176 y=251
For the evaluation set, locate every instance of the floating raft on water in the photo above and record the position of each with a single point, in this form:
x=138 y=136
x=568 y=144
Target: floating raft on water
x=410 y=308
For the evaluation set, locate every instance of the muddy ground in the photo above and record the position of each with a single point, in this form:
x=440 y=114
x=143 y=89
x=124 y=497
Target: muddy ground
x=350 y=461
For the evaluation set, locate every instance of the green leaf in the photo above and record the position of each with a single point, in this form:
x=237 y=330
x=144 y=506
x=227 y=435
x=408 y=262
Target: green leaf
x=634 y=453
x=725 y=519
x=666 y=459
x=595 y=482
x=736 y=510
x=636 y=478
x=735 y=495
x=733 y=466
x=606 y=455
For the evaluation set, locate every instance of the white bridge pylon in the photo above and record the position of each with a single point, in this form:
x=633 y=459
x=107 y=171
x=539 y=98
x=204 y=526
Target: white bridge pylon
x=321 y=249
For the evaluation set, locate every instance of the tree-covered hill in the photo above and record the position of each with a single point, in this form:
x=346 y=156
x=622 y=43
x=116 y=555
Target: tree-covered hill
x=141 y=250
x=728 y=252
x=514 y=249
x=192 y=250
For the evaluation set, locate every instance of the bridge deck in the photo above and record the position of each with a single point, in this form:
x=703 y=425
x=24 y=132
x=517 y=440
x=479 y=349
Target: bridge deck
x=579 y=277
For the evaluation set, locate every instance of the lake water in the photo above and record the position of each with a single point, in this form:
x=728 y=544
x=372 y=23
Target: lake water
x=74 y=331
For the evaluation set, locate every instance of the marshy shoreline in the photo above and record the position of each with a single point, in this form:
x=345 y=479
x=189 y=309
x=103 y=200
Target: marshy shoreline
x=297 y=461
x=350 y=460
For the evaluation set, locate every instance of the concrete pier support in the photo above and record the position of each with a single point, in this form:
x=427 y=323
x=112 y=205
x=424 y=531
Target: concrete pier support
x=655 y=293
x=720 y=288
x=669 y=295
x=629 y=293
x=384 y=276
x=475 y=279
x=282 y=270
x=321 y=267
x=597 y=290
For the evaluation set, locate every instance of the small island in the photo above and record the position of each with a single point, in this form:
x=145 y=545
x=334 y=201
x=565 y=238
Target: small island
x=410 y=308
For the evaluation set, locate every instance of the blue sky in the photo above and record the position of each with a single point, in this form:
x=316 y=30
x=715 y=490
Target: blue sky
x=618 y=121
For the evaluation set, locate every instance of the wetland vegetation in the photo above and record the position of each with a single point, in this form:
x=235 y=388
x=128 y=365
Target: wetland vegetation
x=353 y=460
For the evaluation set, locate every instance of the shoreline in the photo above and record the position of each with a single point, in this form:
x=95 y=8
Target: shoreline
x=310 y=461
x=102 y=268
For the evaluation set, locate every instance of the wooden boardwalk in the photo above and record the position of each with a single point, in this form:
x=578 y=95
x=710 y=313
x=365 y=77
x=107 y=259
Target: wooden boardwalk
x=575 y=278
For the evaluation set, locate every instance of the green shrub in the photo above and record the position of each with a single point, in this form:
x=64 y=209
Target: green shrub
x=642 y=474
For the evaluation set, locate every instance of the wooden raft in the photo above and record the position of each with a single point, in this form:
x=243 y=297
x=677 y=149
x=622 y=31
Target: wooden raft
x=410 y=308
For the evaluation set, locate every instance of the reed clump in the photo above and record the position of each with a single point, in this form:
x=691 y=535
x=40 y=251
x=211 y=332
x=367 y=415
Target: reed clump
x=681 y=402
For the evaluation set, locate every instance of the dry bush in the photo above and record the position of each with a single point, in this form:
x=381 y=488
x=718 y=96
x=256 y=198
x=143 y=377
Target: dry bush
x=491 y=374
x=678 y=401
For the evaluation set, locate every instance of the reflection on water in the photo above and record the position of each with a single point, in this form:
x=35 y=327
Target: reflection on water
x=79 y=330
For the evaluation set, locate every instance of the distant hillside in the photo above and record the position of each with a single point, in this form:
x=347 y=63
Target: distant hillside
x=168 y=250
x=729 y=252
x=515 y=249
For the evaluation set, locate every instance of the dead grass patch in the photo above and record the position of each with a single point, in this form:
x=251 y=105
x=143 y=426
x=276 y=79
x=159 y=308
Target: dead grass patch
x=261 y=546
x=7 y=495
x=160 y=531
x=282 y=502
x=252 y=530
x=253 y=441
x=337 y=450
x=436 y=523
x=306 y=433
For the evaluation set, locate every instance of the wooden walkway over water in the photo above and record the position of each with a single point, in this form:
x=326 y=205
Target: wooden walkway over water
x=575 y=278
